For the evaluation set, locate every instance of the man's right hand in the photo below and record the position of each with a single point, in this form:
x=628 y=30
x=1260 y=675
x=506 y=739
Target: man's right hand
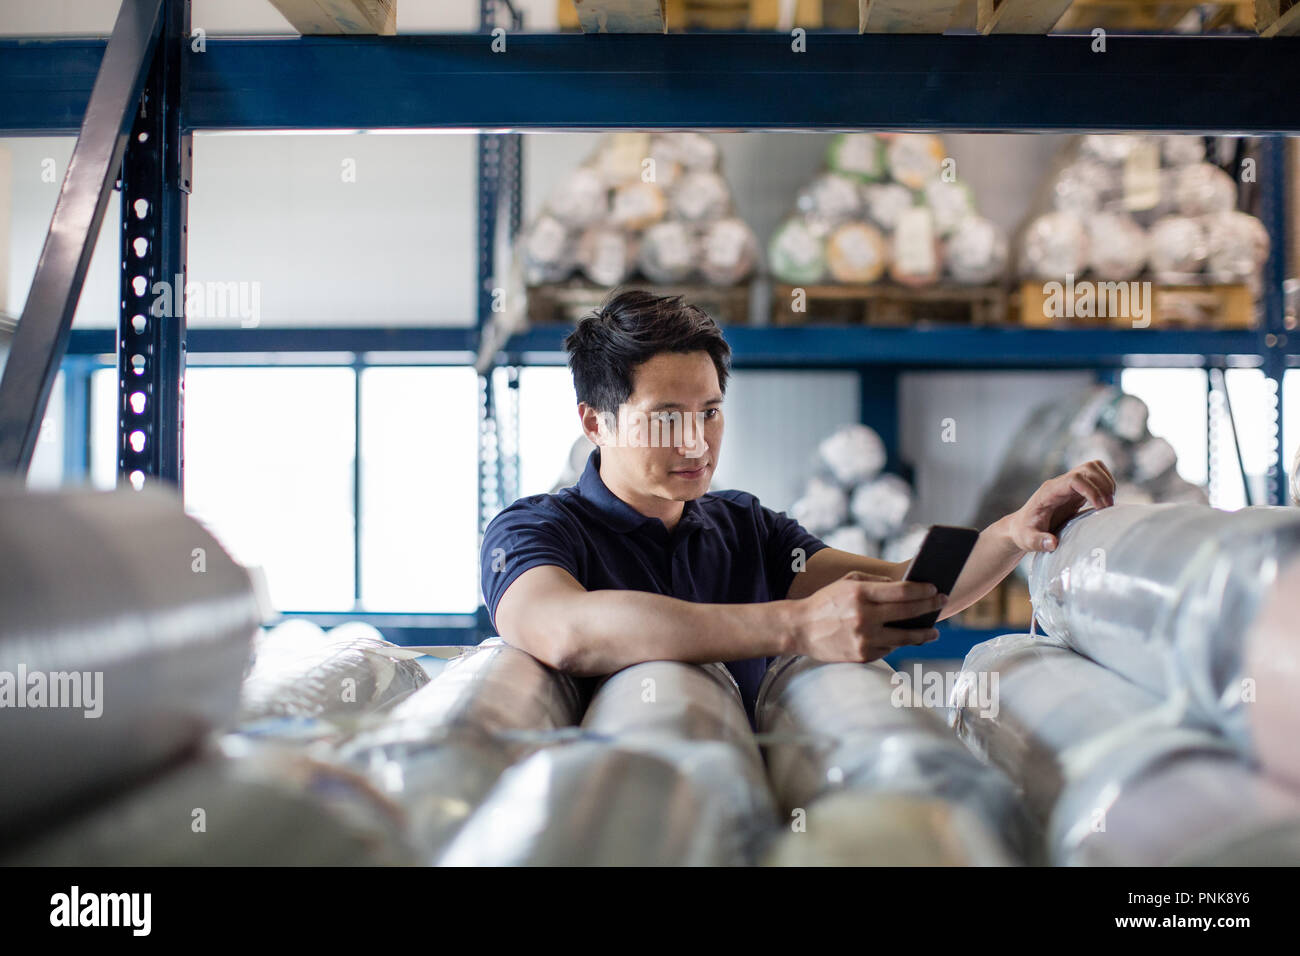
x=845 y=620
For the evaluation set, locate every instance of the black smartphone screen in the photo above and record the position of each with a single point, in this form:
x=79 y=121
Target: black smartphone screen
x=939 y=562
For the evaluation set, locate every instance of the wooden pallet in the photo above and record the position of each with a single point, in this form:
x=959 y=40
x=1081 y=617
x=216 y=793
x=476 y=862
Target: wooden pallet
x=1277 y=18
x=1006 y=606
x=885 y=303
x=1172 y=306
x=1155 y=15
x=567 y=302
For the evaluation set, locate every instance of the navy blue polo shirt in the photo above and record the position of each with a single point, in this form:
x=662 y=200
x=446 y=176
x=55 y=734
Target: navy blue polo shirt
x=726 y=549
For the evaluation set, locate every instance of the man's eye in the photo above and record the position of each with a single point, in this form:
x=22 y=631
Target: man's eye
x=712 y=412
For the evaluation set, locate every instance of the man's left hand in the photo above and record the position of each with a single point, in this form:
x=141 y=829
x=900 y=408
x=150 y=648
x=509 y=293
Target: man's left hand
x=1057 y=500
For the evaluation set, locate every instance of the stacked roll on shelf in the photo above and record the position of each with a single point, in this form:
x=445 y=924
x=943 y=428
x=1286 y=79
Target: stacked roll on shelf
x=125 y=633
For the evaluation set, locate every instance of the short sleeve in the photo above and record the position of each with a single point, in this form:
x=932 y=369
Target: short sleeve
x=520 y=538
x=784 y=538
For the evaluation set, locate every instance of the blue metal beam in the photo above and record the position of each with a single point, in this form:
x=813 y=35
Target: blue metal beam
x=41 y=338
x=1209 y=84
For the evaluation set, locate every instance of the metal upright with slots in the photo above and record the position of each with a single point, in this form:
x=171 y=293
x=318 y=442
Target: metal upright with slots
x=155 y=93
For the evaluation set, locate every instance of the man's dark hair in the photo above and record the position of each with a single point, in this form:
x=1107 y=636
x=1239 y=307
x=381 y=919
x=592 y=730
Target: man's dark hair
x=630 y=328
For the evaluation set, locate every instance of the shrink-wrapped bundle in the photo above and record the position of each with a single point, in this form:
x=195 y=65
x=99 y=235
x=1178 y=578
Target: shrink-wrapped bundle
x=606 y=255
x=951 y=202
x=881 y=505
x=701 y=197
x=1055 y=245
x=976 y=252
x=853 y=453
x=548 y=250
x=1203 y=188
x=828 y=201
x=1178 y=249
x=1180 y=150
x=729 y=251
x=795 y=254
x=669 y=252
x=1237 y=246
x=582 y=199
x=886 y=203
x=914 y=159
x=857 y=154
x=1084 y=187
x=1117 y=246
x=1110 y=148
x=637 y=206
x=856 y=252
x=822 y=507
x=852 y=539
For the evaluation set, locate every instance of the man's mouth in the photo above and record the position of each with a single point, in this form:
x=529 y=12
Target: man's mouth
x=692 y=472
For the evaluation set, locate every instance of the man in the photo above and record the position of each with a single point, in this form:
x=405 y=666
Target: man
x=640 y=561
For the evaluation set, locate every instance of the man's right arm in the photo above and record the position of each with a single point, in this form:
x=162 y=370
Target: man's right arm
x=546 y=612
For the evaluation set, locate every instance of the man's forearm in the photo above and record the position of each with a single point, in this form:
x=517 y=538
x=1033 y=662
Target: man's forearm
x=608 y=630
x=994 y=557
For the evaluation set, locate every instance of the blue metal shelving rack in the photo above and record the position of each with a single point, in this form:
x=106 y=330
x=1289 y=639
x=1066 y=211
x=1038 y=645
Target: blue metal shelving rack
x=1218 y=84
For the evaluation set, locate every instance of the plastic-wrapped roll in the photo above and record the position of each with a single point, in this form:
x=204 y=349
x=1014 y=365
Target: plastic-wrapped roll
x=852 y=539
x=951 y=203
x=829 y=201
x=1124 y=416
x=1152 y=458
x=976 y=252
x=606 y=255
x=1084 y=186
x=881 y=505
x=1164 y=595
x=886 y=203
x=548 y=250
x=1173 y=798
x=619 y=157
x=638 y=205
x=1055 y=245
x=915 y=255
x=591 y=803
x=856 y=252
x=867 y=829
x=123 y=638
x=905 y=546
x=795 y=254
x=863 y=727
x=1237 y=246
x=668 y=167
x=914 y=158
x=823 y=507
x=1117 y=245
x=669 y=252
x=581 y=200
x=1109 y=147
x=1273 y=659
x=853 y=453
x=857 y=154
x=1203 y=188
x=701 y=197
x=729 y=252
x=296 y=673
x=1128 y=493
x=1099 y=446
x=1177 y=150
x=1178 y=248
x=1051 y=702
x=693 y=150
x=1172 y=488
x=233 y=806
x=443 y=748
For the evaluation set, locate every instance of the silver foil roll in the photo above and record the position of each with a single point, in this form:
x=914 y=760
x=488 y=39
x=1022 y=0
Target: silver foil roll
x=1203 y=188
x=1118 y=247
x=1237 y=246
x=1055 y=245
x=976 y=252
x=1085 y=186
x=1165 y=594
x=299 y=672
x=1174 y=797
x=863 y=728
x=1273 y=662
x=1050 y=703
x=1178 y=249
x=125 y=633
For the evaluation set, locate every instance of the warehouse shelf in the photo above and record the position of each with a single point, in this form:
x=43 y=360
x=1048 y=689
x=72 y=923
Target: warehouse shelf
x=742 y=81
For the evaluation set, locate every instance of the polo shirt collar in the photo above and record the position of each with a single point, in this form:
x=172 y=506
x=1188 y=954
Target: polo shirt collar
x=617 y=513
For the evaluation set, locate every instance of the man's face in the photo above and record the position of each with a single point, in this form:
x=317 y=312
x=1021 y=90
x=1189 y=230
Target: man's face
x=666 y=440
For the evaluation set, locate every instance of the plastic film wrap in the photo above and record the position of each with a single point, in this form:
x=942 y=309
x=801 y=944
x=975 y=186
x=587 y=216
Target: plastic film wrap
x=976 y=252
x=1117 y=246
x=1165 y=594
x=299 y=672
x=1178 y=249
x=861 y=727
x=1051 y=702
x=881 y=506
x=728 y=252
x=233 y=806
x=1237 y=246
x=1172 y=797
x=143 y=639
x=669 y=252
x=1055 y=245
x=1273 y=659
x=853 y=453
x=823 y=507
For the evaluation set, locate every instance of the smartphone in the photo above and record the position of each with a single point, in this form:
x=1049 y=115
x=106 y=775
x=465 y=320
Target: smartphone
x=942 y=556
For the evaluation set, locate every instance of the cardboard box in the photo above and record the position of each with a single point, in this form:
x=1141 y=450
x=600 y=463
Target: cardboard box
x=328 y=17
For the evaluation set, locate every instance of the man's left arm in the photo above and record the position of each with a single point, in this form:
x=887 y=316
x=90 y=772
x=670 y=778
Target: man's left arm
x=1000 y=547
